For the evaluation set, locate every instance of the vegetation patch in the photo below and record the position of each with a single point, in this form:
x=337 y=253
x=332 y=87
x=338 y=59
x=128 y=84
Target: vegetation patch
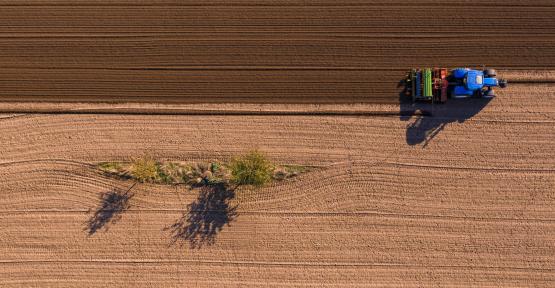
x=114 y=167
x=253 y=169
x=146 y=169
x=295 y=170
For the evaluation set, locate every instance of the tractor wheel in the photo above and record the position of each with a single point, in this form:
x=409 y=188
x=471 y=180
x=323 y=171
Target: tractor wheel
x=490 y=73
x=488 y=94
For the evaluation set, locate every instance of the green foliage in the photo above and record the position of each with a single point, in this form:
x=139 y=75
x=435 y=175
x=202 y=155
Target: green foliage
x=146 y=169
x=110 y=166
x=164 y=177
x=215 y=167
x=171 y=173
x=251 y=169
x=189 y=174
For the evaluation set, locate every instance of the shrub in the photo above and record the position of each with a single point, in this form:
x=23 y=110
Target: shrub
x=251 y=169
x=146 y=169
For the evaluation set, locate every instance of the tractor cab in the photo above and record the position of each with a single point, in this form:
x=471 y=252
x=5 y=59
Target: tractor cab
x=474 y=80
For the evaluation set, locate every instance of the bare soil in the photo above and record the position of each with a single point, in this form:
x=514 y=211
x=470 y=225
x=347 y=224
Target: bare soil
x=269 y=51
x=465 y=198
x=473 y=206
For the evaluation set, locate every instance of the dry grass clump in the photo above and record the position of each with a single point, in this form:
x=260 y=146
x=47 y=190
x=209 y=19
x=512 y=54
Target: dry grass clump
x=172 y=170
x=288 y=171
x=194 y=174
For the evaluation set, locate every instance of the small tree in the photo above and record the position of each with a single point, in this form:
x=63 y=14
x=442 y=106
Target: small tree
x=251 y=169
x=146 y=169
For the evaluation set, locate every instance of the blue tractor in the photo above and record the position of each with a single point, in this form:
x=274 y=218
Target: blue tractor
x=469 y=82
x=439 y=84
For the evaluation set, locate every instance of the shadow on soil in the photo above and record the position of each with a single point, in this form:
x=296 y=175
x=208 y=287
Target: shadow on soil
x=112 y=205
x=206 y=217
x=426 y=120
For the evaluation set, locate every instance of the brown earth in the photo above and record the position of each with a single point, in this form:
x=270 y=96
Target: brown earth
x=473 y=207
x=465 y=198
x=240 y=51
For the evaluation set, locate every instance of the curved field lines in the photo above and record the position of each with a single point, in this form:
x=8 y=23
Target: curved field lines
x=345 y=219
x=476 y=202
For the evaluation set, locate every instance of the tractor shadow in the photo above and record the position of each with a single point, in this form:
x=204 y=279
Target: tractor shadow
x=112 y=205
x=206 y=217
x=426 y=121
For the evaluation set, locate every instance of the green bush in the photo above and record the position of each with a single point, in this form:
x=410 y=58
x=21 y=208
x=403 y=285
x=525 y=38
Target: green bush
x=251 y=169
x=146 y=169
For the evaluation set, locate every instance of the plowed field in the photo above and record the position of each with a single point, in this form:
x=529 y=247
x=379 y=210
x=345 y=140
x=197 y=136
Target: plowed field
x=276 y=51
x=464 y=198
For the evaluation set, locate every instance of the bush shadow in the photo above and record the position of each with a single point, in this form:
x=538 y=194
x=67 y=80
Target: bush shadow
x=206 y=217
x=426 y=120
x=112 y=205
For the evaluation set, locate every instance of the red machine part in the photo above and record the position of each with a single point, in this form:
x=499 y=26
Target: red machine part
x=444 y=85
x=440 y=84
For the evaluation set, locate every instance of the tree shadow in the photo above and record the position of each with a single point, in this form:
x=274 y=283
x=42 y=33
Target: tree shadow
x=427 y=120
x=206 y=216
x=112 y=205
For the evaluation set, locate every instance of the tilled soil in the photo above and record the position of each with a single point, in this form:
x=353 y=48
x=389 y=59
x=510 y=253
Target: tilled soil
x=464 y=198
x=256 y=51
x=471 y=206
